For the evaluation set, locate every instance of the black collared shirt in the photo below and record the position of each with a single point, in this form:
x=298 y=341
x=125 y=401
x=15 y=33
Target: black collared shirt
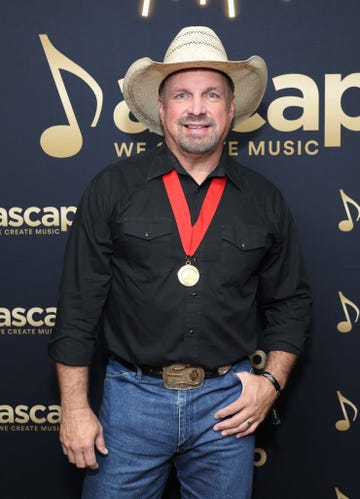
x=124 y=252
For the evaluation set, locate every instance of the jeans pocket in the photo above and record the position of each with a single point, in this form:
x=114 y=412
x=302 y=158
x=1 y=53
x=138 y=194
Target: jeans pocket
x=243 y=366
x=235 y=377
x=115 y=370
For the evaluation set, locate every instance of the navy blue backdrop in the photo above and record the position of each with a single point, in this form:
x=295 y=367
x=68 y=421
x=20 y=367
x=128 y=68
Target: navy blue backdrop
x=62 y=64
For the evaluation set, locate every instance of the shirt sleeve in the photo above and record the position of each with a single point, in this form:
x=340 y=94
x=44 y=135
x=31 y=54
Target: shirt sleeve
x=284 y=292
x=85 y=280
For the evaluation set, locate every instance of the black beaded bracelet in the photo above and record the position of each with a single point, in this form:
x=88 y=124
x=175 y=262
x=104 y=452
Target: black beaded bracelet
x=272 y=380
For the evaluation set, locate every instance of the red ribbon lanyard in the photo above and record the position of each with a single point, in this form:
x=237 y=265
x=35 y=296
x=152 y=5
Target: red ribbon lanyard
x=192 y=235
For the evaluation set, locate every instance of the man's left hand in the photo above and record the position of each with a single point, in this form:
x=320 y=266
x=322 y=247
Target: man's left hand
x=243 y=416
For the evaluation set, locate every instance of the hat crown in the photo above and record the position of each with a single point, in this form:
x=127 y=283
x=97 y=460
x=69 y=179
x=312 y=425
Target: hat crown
x=195 y=43
x=193 y=47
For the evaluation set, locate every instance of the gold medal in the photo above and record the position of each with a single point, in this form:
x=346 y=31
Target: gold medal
x=188 y=275
x=191 y=235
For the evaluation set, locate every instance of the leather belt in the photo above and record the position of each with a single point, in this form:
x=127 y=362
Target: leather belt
x=178 y=375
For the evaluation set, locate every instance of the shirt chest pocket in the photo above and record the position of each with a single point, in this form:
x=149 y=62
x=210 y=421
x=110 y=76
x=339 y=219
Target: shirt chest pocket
x=243 y=249
x=143 y=240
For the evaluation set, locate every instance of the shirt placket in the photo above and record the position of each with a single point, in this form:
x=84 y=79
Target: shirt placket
x=193 y=322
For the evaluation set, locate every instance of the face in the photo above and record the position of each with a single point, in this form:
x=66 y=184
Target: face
x=196 y=109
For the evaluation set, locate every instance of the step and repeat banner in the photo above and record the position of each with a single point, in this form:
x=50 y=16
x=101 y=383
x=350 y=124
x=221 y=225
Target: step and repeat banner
x=63 y=118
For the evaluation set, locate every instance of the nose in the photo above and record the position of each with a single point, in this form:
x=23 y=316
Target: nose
x=197 y=106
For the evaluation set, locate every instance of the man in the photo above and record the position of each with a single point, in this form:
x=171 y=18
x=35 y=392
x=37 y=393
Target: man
x=177 y=254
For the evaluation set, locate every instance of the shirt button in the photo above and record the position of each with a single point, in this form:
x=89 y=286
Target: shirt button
x=147 y=234
x=191 y=331
x=194 y=293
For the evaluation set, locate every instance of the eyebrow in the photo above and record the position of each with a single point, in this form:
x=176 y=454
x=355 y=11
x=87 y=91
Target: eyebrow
x=207 y=89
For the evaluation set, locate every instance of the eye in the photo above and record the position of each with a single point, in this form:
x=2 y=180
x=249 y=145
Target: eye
x=212 y=95
x=180 y=96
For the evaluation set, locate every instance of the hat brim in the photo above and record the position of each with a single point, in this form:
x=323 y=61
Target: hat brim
x=143 y=79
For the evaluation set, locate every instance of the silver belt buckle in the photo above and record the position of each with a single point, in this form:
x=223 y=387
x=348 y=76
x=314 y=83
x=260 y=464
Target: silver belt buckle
x=180 y=376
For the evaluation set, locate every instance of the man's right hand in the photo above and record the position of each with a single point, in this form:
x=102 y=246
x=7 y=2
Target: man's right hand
x=80 y=434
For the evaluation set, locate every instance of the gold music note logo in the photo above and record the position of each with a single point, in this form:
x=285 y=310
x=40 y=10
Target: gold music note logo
x=347 y=225
x=346 y=326
x=339 y=494
x=344 y=424
x=64 y=141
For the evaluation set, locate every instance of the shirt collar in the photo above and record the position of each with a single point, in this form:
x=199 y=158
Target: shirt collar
x=164 y=161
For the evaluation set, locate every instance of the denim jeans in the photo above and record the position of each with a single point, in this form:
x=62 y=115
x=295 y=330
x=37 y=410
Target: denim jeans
x=148 y=427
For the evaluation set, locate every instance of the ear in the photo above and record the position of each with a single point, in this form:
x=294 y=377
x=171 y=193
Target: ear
x=232 y=107
x=161 y=109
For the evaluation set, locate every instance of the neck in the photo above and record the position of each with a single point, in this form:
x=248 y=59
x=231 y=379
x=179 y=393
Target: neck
x=199 y=166
x=199 y=174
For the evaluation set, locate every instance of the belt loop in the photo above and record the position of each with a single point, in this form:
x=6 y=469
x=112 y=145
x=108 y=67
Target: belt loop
x=139 y=373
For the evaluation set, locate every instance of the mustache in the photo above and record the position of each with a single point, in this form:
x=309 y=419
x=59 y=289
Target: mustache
x=193 y=120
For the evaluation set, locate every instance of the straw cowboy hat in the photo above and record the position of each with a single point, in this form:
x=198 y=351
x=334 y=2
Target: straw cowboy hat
x=193 y=47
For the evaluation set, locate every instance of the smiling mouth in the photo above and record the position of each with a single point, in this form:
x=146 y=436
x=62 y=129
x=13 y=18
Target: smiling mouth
x=196 y=127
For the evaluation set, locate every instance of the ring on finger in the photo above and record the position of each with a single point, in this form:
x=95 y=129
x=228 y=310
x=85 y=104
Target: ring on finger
x=248 y=422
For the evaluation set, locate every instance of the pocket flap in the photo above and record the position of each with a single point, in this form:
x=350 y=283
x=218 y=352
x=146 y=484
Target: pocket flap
x=147 y=229
x=245 y=239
